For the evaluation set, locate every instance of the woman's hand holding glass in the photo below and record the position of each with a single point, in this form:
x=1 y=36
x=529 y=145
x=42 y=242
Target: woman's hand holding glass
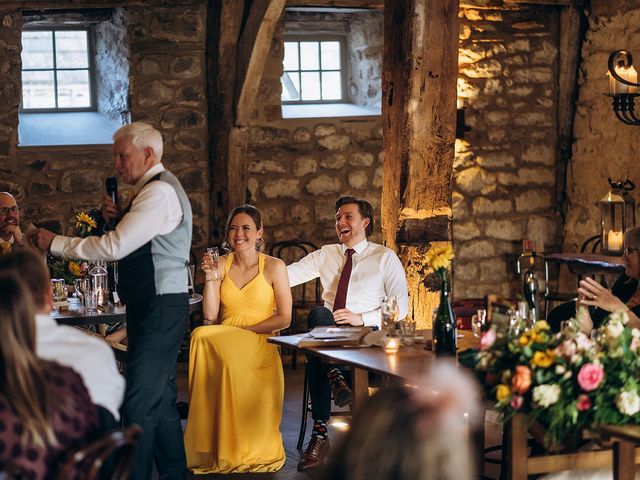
x=210 y=263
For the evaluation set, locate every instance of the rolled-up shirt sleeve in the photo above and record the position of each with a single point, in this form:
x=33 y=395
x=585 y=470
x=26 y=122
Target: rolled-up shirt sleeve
x=154 y=211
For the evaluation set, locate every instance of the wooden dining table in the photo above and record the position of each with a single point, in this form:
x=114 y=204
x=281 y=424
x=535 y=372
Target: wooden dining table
x=409 y=364
x=78 y=316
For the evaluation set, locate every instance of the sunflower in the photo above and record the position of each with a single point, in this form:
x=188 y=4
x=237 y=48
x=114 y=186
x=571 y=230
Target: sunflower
x=439 y=257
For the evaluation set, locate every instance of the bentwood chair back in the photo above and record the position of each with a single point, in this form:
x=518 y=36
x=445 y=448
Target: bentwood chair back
x=305 y=296
x=113 y=452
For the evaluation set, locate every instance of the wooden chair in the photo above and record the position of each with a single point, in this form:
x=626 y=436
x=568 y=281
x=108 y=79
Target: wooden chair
x=116 y=450
x=304 y=297
x=522 y=464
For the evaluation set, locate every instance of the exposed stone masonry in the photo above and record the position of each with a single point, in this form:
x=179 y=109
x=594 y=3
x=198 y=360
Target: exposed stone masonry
x=603 y=147
x=504 y=172
x=166 y=82
x=112 y=68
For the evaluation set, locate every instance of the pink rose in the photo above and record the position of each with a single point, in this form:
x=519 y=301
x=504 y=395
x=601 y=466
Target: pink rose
x=590 y=376
x=487 y=339
x=516 y=402
x=584 y=403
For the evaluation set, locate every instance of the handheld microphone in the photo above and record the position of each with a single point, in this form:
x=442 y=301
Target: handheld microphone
x=111 y=185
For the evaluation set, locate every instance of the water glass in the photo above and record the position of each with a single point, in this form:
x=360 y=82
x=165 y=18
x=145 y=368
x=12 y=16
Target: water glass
x=215 y=255
x=389 y=310
x=479 y=322
x=407 y=331
x=82 y=286
x=59 y=289
x=91 y=300
x=191 y=279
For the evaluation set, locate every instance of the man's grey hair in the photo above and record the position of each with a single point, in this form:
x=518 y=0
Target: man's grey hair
x=141 y=135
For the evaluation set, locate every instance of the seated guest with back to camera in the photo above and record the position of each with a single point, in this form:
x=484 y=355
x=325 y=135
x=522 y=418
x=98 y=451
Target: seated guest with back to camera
x=45 y=409
x=596 y=302
x=236 y=383
x=91 y=357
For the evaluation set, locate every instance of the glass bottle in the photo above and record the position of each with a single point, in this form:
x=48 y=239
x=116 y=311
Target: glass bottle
x=444 y=327
x=100 y=282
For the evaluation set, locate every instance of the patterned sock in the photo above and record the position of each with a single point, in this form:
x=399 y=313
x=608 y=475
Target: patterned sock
x=320 y=427
x=335 y=374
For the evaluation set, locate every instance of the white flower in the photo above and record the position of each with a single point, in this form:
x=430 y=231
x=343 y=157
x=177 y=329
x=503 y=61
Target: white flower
x=583 y=342
x=560 y=369
x=614 y=329
x=628 y=403
x=567 y=375
x=546 y=395
x=635 y=333
x=619 y=316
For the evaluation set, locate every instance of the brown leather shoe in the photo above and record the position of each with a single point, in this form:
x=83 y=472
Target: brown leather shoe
x=342 y=394
x=315 y=453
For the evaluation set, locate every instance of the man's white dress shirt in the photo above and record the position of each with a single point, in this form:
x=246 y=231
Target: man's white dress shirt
x=155 y=210
x=376 y=272
x=91 y=357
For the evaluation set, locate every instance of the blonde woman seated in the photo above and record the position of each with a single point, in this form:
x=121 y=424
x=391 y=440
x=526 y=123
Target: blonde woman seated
x=236 y=384
x=45 y=409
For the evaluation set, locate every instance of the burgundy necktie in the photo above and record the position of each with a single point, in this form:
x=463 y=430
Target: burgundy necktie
x=343 y=283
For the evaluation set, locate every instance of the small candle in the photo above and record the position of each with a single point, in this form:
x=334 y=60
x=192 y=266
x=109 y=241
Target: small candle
x=629 y=74
x=391 y=344
x=614 y=241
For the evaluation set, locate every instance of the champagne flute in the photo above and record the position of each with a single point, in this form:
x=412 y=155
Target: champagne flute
x=215 y=255
x=478 y=322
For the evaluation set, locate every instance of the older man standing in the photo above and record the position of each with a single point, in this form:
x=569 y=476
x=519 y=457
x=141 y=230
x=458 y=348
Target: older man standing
x=152 y=242
x=10 y=233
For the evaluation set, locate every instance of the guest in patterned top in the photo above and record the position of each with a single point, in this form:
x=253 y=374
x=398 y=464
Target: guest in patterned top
x=45 y=410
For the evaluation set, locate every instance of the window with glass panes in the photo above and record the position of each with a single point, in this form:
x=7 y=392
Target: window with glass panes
x=56 y=70
x=314 y=70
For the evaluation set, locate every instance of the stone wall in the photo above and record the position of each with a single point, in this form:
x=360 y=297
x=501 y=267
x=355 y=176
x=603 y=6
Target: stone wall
x=366 y=51
x=167 y=85
x=112 y=68
x=603 y=146
x=504 y=172
x=297 y=168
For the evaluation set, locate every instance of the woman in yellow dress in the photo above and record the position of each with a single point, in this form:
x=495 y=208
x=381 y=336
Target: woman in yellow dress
x=236 y=384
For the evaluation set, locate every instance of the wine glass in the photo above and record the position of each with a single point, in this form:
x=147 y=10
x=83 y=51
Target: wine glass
x=82 y=286
x=215 y=255
x=389 y=310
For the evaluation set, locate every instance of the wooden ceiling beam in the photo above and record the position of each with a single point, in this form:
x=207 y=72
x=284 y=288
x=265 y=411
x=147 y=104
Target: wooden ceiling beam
x=7 y=5
x=378 y=4
x=253 y=50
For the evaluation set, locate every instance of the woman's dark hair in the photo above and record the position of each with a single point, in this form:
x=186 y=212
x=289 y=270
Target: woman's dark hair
x=255 y=215
x=364 y=207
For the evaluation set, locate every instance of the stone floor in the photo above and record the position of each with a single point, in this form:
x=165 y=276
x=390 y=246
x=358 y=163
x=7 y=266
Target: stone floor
x=291 y=424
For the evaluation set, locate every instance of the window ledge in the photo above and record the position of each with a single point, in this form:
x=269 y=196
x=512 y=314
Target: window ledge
x=67 y=128
x=328 y=110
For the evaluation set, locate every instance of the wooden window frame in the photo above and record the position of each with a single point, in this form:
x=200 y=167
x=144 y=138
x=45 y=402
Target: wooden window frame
x=342 y=40
x=90 y=69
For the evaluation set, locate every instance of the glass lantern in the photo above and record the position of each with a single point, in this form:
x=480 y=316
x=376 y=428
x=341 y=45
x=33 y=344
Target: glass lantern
x=617 y=215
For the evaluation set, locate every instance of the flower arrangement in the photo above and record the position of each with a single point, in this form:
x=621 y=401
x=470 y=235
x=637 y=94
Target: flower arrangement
x=85 y=224
x=439 y=258
x=69 y=269
x=567 y=381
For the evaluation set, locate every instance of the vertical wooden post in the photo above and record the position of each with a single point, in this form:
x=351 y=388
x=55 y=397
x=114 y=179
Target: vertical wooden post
x=419 y=119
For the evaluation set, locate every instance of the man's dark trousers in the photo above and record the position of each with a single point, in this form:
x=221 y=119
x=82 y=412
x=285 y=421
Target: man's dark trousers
x=319 y=385
x=155 y=327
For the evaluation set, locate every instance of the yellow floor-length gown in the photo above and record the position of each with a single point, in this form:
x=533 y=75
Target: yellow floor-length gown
x=236 y=386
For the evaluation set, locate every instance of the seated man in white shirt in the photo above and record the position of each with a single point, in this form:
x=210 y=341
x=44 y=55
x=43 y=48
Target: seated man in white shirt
x=91 y=357
x=355 y=275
